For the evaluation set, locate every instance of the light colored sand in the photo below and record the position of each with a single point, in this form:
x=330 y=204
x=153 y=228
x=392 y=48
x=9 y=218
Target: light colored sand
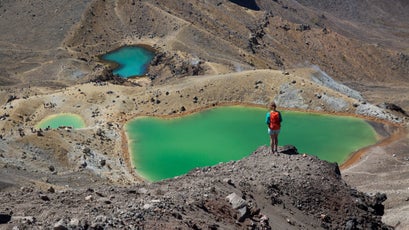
x=385 y=168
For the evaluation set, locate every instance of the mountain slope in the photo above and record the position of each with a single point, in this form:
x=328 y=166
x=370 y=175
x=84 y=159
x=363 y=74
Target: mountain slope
x=280 y=35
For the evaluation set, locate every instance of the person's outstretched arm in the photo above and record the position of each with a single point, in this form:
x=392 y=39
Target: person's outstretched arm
x=268 y=118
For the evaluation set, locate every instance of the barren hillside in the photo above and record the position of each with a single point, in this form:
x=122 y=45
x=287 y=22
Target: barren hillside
x=361 y=44
x=348 y=57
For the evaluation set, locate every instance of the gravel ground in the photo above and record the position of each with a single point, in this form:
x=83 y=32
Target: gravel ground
x=262 y=191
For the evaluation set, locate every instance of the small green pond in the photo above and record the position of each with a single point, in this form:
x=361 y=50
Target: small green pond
x=164 y=148
x=131 y=61
x=62 y=119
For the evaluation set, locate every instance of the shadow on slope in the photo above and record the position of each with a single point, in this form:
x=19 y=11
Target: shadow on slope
x=250 y=4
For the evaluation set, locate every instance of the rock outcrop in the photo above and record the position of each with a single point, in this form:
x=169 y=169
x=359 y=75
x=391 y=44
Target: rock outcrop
x=261 y=191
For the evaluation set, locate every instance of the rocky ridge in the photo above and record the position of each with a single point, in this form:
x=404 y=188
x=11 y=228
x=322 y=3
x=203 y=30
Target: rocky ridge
x=262 y=191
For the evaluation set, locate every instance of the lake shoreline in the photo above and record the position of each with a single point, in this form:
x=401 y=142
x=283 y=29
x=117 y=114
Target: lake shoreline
x=350 y=159
x=396 y=134
x=114 y=65
x=387 y=131
x=80 y=121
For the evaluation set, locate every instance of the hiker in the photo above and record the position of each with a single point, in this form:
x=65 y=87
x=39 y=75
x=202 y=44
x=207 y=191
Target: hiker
x=273 y=121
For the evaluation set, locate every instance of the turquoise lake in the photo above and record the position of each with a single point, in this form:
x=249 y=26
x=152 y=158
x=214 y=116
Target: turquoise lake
x=164 y=148
x=63 y=119
x=131 y=61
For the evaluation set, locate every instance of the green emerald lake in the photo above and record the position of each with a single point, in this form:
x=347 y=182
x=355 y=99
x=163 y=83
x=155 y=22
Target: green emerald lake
x=131 y=60
x=164 y=148
x=63 y=119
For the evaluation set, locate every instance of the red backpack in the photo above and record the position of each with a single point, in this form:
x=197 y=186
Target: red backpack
x=274 y=120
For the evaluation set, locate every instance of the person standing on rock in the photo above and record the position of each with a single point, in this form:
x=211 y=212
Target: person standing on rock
x=273 y=121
